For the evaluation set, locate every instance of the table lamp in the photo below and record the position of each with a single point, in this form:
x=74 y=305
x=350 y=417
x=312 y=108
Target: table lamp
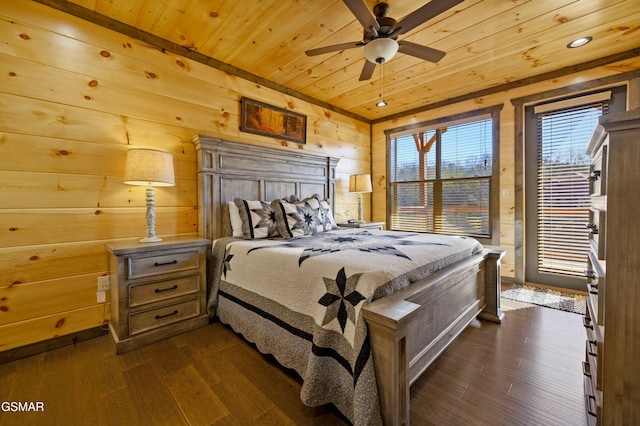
x=149 y=167
x=360 y=184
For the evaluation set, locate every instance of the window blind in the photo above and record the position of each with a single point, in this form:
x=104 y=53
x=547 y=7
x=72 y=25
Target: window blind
x=440 y=179
x=562 y=187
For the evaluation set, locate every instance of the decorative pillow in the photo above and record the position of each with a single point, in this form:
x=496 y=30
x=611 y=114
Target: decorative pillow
x=299 y=218
x=258 y=219
x=236 y=220
x=328 y=222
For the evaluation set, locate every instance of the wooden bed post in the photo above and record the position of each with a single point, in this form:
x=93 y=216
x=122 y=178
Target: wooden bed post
x=388 y=334
x=493 y=286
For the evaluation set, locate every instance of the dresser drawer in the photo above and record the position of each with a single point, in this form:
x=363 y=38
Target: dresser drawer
x=140 y=267
x=597 y=232
x=593 y=352
x=598 y=173
x=596 y=284
x=154 y=318
x=153 y=292
x=593 y=410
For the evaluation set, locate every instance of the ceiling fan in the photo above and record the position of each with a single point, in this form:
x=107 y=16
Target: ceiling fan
x=381 y=33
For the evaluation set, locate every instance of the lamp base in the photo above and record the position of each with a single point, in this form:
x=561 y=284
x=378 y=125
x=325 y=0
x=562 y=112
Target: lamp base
x=153 y=239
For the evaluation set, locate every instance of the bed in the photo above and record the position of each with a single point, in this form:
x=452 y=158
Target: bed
x=378 y=339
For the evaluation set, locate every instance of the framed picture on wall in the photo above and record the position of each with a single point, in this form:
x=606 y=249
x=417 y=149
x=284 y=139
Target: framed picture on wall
x=266 y=120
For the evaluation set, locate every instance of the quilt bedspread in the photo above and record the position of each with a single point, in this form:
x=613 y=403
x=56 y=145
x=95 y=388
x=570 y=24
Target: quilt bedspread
x=301 y=301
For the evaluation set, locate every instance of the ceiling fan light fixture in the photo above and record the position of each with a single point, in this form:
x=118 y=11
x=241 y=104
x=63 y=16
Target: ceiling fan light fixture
x=380 y=50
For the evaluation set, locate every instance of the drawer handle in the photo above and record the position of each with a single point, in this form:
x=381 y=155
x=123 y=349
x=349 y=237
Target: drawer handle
x=594 y=175
x=589 y=274
x=587 y=323
x=167 y=315
x=160 y=290
x=173 y=262
x=585 y=369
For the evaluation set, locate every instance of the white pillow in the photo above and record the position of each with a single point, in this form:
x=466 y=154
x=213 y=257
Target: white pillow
x=235 y=219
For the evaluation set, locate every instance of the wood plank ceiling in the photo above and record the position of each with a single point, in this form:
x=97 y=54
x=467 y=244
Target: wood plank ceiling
x=490 y=45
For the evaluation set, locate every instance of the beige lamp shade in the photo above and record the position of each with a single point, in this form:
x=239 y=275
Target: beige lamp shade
x=149 y=167
x=360 y=183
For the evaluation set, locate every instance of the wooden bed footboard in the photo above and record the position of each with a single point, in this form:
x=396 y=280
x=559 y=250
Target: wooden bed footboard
x=410 y=328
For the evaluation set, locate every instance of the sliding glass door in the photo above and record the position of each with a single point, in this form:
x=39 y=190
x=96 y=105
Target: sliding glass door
x=557 y=198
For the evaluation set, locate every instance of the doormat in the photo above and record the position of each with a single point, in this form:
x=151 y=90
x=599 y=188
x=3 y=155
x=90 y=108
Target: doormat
x=554 y=299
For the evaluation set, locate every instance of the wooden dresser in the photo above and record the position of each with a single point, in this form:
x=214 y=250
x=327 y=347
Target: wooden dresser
x=158 y=290
x=612 y=364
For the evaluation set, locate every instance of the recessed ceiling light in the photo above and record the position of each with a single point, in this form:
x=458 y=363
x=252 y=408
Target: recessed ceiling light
x=381 y=103
x=579 y=42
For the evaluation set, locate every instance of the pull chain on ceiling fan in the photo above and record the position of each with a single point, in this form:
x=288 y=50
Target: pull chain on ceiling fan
x=382 y=102
x=381 y=33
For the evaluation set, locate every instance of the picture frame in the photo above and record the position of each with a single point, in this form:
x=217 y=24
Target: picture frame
x=267 y=120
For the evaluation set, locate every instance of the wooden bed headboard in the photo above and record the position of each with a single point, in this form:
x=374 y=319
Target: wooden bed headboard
x=228 y=170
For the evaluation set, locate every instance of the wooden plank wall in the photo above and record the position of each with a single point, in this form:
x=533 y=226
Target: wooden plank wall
x=507 y=143
x=74 y=97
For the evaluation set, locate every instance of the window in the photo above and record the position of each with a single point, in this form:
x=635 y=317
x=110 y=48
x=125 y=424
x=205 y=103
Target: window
x=443 y=177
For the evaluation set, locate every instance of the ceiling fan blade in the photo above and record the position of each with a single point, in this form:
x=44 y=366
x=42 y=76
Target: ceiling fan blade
x=362 y=13
x=367 y=70
x=333 y=48
x=426 y=12
x=420 y=51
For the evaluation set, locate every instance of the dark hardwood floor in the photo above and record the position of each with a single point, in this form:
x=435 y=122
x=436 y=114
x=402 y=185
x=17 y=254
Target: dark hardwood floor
x=526 y=371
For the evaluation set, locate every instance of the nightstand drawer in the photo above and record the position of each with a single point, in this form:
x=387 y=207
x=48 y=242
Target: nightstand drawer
x=140 y=267
x=155 y=318
x=147 y=293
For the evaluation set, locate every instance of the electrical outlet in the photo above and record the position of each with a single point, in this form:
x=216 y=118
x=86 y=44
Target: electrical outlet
x=103 y=283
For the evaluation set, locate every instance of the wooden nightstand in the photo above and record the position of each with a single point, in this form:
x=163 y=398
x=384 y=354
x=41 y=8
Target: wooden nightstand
x=366 y=225
x=158 y=290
